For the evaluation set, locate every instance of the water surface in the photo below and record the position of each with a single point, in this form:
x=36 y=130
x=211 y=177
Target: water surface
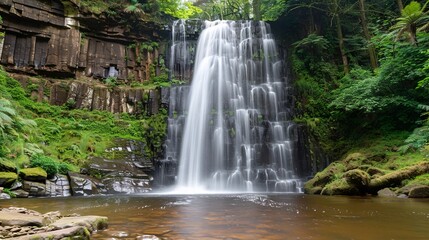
x=256 y=216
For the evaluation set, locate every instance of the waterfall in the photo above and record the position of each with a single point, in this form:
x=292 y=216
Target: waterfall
x=232 y=130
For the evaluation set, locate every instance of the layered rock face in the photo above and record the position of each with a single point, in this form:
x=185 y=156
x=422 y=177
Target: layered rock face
x=54 y=39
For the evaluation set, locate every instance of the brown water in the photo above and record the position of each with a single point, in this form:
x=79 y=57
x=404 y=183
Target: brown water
x=256 y=216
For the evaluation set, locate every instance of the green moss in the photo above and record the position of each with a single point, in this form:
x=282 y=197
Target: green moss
x=7 y=166
x=30 y=173
x=340 y=187
x=7 y=178
x=422 y=179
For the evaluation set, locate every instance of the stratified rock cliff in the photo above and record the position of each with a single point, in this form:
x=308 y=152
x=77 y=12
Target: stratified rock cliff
x=58 y=39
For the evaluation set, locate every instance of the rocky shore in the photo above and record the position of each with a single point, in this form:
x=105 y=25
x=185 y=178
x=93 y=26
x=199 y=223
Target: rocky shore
x=21 y=224
x=358 y=174
x=124 y=171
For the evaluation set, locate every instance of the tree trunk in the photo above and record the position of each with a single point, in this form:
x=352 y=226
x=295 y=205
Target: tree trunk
x=340 y=37
x=257 y=10
x=400 y=5
x=371 y=48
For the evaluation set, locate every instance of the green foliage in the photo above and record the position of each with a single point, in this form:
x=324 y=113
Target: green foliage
x=134 y=7
x=111 y=81
x=48 y=164
x=391 y=93
x=417 y=140
x=412 y=17
x=9 y=192
x=272 y=10
x=176 y=9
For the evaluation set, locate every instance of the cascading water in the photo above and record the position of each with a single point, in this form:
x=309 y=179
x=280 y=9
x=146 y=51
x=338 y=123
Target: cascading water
x=237 y=134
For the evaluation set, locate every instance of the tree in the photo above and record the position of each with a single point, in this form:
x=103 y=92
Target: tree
x=371 y=48
x=412 y=17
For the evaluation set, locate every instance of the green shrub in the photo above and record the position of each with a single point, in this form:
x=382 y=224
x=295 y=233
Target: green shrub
x=48 y=164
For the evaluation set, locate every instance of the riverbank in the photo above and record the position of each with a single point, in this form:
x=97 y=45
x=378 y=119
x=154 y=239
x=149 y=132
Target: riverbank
x=21 y=223
x=376 y=165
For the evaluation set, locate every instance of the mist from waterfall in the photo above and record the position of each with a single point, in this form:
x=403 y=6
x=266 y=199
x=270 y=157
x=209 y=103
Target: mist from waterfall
x=232 y=130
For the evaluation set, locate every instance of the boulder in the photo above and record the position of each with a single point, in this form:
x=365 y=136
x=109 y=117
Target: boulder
x=82 y=185
x=340 y=187
x=19 y=193
x=358 y=178
x=7 y=166
x=62 y=186
x=4 y=196
x=36 y=174
x=324 y=177
x=419 y=192
x=92 y=223
x=386 y=192
x=11 y=218
x=78 y=232
x=7 y=178
x=35 y=189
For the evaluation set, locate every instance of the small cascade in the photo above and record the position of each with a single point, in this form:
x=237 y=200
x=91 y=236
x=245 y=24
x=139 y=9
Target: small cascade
x=231 y=131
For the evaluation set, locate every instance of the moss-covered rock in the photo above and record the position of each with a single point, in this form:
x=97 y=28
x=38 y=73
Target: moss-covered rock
x=7 y=178
x=358 y=178
x=419 y=192
x=340 y=187
x=36 y=174
x=374 y=171
x=314 y=185
x=7 y=166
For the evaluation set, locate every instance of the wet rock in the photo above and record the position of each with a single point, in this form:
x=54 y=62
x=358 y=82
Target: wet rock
x=20 y=193
x=7 y=178
x=92 y=223
x=36 y=174
x=62 y=186
x=19 y=219
x=126 y=185
x=124 y=168
x=82 y=185
x=147 y=237
x=4 y=196
x=78 y=232
x=386 y=192
x=16 y=185
x=406 y=189
x=419 y=192
x=51 y=217
x=35 y=189
x=119 y=234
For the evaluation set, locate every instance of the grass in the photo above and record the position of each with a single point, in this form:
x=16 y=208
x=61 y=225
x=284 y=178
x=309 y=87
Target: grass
x=73 y=136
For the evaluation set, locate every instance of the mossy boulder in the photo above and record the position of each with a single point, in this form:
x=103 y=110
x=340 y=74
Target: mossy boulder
x=7 y=166
x=358 y=178
x=419 y=192
x=340 y=187
x=7 y=178
x=316 y=184
x=36 y=174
